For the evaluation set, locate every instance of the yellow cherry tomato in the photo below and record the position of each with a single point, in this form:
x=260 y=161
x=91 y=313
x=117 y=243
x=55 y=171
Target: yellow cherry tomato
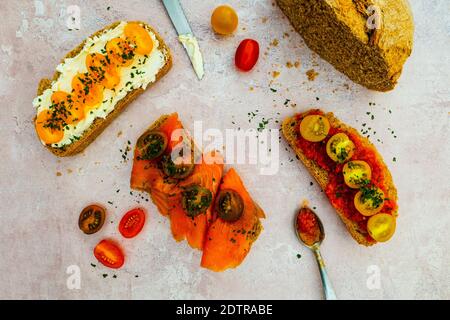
x=87 y=91
x=140 y=37
x=381 y=226
x=71 y=111
x=50 y=131
x=369 y=201
x=356 y=173
x=224 y=20
x=340 y=148
x=314 y=128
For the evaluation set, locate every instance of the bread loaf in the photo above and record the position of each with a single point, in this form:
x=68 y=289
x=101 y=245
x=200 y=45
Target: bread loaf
x=371 y=51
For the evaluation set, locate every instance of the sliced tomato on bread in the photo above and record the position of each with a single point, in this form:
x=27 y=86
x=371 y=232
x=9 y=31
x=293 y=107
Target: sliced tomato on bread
x=349 y=170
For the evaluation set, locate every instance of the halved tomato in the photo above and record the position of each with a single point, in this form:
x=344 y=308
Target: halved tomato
x=140 y=37
x=132 y=223
x=381 y=226
x=120 y=52
x=314 y=128
x=340 y=148
x=369 y=200
x=102 y=71
x=70 y=110
x=109 y=254
x=87 y=91
x=49 y=130
x=356 y=173
x=91 y=219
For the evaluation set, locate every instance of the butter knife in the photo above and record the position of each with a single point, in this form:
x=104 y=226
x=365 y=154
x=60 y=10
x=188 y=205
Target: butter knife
x=185 y=35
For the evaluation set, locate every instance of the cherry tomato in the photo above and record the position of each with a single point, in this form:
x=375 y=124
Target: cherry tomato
x=381 y=226
x=109 y=254
x=48 y=131
x=314 y=128
x=71 y=110
x=132 y=222
x=229 y=205
x=224 y=20
x=247 y=54
x=140 y=37
x=87 y=91
x=356 y=173
x=91 y=219
x=369 y=200
x=340 y=148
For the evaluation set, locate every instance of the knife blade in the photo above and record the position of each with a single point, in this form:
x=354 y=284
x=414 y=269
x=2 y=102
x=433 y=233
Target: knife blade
x=185 y=35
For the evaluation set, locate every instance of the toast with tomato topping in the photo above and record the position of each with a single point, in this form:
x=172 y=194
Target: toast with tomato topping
x=123 y=63
x=330 y=175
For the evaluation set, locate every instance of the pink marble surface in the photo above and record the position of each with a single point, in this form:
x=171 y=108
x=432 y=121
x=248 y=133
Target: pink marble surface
x=39 y=237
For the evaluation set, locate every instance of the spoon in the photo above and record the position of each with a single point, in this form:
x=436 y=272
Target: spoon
x=314 y=244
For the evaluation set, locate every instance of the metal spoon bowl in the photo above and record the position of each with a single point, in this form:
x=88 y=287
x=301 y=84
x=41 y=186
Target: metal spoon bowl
x=326 y=283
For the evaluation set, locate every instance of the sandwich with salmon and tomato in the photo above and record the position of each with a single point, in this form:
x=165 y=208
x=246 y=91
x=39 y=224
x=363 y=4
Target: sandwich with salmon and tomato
x=212 y=212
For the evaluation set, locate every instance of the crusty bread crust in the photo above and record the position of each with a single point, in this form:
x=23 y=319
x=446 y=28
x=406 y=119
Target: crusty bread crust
x=290 y=133
x=337 y=30
x=100 y=124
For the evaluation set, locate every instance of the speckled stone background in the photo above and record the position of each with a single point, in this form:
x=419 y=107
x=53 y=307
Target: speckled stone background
x=41 y=196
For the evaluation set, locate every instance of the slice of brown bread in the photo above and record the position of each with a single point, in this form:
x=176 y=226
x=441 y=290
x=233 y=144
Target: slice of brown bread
x=337 y=30
x=100 y=124
x=289 y=128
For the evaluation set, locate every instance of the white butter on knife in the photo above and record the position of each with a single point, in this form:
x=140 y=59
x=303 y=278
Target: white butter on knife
x=190 y=43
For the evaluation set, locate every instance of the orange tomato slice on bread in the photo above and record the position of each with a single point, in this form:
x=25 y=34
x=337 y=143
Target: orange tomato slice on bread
x=140 y=37
x=69 y=109
x=120 y=52
x=102 y=71
x=48 y=131
x=87 y=91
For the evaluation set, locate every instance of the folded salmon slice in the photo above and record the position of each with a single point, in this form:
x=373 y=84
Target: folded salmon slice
x=193 y=229
x=146 y=176
x=227 y=243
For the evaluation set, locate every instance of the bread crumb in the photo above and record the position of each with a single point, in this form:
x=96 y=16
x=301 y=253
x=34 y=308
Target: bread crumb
x=274 y=42
x=69 y=171
x=289 y=64
x=285 y=35
x=58 y=174
x=119 y=133
x=251 y=88
x=275 y=74
x=297 y=64
x=312 y=74
x=264 y=19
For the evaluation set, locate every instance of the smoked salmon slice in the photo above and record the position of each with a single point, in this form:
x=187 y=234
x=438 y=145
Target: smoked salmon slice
x=188 y=227
x=146 y=174
x=228 y=242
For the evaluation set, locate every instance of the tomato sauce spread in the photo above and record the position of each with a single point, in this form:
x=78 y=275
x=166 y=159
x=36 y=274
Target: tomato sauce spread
x=340 y=195
x=308 y=227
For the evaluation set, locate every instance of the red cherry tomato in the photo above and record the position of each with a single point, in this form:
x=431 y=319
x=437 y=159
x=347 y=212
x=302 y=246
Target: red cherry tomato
x=247 y=54
x=132 y=222
x=109 y=254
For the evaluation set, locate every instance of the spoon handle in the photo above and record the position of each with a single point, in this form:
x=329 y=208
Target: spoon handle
x=327 y=287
